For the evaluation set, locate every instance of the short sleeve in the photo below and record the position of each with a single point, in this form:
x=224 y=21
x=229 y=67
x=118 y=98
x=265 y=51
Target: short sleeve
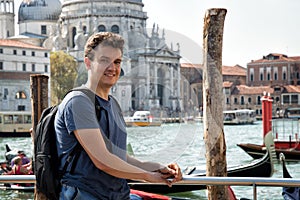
x=80 y=113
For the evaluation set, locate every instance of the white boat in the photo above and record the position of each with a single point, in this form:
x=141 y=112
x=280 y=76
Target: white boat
x=242 y=116
x=142 y=118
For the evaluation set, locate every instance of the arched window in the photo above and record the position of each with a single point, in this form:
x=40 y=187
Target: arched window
x=115 y=29
x=249 y=100
x=21 y=95
x=101 y=28
x=74 y=31
x=275 y=76
x=251 y=77
x=269 y=76
x=258 y=100
x=227 y=101
x=235 y=100
x=84 y=29
x=242 y=100
x=284 y=76
x=261 y=77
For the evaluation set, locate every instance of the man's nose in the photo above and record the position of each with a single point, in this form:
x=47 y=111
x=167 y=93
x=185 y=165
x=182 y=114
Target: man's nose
x=112 y=66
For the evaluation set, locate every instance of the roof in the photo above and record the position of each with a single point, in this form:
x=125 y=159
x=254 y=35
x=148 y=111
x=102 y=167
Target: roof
x=247 y=90
x=292 y=88
x=234 y=70
x=243 y=89
x=39 y=10
x=226 y=70
x=16 y=43
x=33 y=35
x=276 y=57
x=227 y=84
x=190 y=65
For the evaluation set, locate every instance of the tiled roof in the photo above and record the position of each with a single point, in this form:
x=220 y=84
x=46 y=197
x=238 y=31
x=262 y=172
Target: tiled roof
x=227 y=84
x=226 y=70
x=190 y=65
x=16 y=43
x=295 y=58
x=281 y=57
x=292 y=88
x=234 y=70
x=246 y=90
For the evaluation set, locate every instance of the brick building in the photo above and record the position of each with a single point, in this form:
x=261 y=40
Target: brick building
x=276 y=74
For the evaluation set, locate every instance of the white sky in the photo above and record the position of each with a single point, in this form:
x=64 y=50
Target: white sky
x=253 y=28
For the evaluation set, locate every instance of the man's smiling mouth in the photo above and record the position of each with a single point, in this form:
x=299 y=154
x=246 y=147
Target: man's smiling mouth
x=110 y=75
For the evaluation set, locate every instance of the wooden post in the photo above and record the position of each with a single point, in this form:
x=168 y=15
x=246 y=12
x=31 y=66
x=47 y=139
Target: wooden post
x=39 y=96
x=39 y=101
x=213 y=100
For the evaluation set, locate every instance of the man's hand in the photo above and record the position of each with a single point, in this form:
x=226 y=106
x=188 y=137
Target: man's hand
x=172 y=171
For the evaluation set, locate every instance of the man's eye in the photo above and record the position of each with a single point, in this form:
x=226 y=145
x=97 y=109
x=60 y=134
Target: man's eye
x=104 y=61
x=117 y=62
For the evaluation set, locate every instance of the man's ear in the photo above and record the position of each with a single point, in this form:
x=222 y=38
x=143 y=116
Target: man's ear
x=87 y=62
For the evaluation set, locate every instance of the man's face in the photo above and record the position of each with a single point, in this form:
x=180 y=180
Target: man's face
x=106 y=66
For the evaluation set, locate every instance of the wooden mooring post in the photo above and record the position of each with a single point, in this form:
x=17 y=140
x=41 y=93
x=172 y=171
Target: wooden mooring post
x=39 y=101
x=39 y=96
x=213 y=100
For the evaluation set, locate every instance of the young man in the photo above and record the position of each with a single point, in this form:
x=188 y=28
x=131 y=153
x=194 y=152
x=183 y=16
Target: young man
x=101 y=170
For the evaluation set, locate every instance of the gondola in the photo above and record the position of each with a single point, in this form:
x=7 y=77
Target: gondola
x=285 y=132
x=288 y=193
x=262 y=167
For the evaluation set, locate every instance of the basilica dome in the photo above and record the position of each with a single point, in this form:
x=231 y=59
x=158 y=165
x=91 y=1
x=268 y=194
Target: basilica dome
x=39 y=10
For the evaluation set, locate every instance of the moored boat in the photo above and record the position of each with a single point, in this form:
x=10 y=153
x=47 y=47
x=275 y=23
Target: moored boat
x=15 y=123
x=142 y=118
x=242 y=116
x=288 y=193
x=263 y=167
x=284 y=131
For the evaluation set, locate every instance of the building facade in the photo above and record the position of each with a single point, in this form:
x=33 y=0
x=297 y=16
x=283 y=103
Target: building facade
x=15 y=73
x=152 y=79
x=276 y=74
x=152 y=69
x=7 y=18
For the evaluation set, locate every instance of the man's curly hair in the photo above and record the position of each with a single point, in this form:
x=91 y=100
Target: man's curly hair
x=104 y=39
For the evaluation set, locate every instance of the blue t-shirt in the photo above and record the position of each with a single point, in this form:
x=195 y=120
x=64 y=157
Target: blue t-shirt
x=76 y=112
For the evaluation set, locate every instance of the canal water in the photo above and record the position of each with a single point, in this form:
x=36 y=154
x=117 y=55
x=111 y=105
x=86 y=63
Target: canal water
x=182 y=143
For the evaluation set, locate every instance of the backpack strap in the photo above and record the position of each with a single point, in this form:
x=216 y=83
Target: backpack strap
x=116 y=102
x=78 y=148
x=92 y=97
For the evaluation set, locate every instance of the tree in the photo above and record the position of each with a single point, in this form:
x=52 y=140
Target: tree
x=63 y=74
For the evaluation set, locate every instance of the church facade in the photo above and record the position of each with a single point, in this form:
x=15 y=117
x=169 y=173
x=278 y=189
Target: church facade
x=152 y=79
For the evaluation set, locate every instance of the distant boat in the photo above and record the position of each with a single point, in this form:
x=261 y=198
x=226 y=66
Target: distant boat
x=292 y=113
x=241 y=116
x=15 y=123
x=142 y=118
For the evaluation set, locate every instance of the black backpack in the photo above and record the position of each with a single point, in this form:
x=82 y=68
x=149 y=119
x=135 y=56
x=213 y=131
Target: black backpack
x=45 y=153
